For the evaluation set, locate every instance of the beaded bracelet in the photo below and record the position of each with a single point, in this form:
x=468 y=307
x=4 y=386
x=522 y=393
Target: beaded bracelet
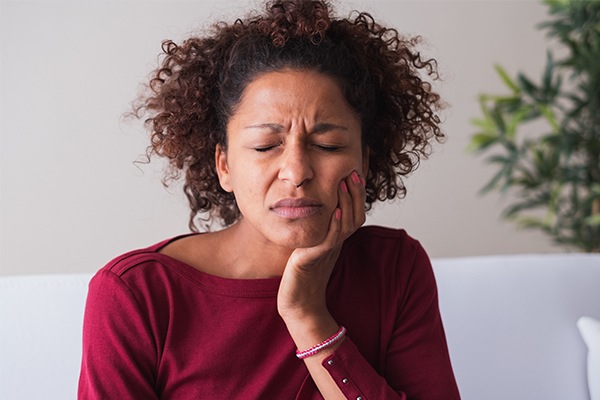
x=323 y=345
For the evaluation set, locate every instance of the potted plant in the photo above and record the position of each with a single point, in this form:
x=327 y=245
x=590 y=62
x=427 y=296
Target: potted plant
x=553 y=165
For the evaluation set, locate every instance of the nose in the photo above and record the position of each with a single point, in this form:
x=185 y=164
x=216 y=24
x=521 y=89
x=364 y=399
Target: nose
x=295 y=165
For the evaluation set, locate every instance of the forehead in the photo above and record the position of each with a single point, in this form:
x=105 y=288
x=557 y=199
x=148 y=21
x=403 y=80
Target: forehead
x=303 y=93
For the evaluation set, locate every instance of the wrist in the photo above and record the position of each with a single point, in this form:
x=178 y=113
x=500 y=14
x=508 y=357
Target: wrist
x=311 y=329
x=329 y=343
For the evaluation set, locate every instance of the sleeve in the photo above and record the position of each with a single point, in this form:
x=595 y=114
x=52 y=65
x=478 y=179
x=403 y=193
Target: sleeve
x=417 y=364
x=119 y=354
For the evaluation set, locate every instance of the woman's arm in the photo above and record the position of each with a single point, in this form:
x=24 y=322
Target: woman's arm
x=116 y=362
x=302 y=293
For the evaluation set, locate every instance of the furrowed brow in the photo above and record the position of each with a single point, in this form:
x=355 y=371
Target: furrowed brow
x=326 y=127
x=272 y=127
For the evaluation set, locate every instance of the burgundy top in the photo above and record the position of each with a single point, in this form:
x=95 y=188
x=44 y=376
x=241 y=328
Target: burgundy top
x=156 y=328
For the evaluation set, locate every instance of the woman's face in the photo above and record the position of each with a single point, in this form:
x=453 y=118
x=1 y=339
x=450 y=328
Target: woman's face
x=291 y=141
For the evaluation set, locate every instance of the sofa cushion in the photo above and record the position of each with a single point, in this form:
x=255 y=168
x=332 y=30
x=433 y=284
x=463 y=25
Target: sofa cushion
x=511 y=323
x=40 y=335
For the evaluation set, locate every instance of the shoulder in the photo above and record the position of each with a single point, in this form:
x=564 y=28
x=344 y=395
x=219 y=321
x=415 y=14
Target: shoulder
x=145 y=262
x=143 y=278
x=379 y=239
x=382 y=270
x=123 y=263
x=388 y=252
x=376 y=231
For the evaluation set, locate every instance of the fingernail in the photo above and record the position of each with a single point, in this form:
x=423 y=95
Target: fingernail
x=343 y=186
x=354 y=176
x=338 y=214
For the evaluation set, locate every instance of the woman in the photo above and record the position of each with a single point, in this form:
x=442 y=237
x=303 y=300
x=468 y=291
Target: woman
x=287 y=126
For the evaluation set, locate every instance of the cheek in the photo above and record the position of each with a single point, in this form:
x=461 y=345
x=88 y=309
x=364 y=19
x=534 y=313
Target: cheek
x=249 y=185
x=334 y=174
x=345 y=167
x=247 y=198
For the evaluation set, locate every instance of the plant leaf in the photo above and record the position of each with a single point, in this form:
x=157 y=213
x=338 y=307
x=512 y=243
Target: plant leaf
x=507 y=79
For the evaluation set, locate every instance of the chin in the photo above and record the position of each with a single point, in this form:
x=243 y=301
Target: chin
x=299 y=238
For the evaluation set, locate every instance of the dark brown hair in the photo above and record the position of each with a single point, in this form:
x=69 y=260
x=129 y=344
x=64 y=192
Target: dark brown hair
x=199 y=83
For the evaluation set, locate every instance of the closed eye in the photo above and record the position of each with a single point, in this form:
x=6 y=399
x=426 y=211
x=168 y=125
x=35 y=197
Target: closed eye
x=264 y=149
x=327 y=148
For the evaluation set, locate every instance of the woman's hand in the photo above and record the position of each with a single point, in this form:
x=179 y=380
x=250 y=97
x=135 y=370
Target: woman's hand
x=301 y=298
x=304 y=281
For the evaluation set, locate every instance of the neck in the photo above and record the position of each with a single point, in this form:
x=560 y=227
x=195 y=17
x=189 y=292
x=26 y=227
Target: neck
x=252 y=257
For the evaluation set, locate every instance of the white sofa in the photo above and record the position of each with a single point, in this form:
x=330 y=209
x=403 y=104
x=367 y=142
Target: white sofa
x=510 y=323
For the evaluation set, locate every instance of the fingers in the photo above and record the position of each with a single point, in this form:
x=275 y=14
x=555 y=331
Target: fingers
x=350 y=212
x=334 y=230
x=351 y=202
x=359 y=197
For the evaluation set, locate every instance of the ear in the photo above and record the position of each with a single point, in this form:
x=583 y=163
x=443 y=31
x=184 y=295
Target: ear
x=222 y=168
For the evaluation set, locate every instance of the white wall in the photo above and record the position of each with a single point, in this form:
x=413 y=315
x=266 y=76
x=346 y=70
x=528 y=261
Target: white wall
x=71 y=197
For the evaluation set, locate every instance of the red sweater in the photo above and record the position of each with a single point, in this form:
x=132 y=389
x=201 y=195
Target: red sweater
x=156 y=328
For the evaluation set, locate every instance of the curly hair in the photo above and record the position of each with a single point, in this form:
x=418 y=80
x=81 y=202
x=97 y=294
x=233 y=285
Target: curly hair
x=199 y=83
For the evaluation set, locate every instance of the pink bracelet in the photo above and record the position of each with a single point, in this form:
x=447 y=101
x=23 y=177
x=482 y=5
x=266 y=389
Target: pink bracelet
x=339 y=335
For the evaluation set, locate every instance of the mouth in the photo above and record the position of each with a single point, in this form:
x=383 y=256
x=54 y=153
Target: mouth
x=296 y=208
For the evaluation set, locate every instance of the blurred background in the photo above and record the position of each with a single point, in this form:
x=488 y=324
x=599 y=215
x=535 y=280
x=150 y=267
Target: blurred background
x=72 y=196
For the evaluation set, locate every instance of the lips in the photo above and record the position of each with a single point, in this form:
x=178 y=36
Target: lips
x=296 y=208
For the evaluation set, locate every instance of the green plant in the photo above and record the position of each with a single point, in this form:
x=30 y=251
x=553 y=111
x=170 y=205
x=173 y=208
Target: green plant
x=553 y=167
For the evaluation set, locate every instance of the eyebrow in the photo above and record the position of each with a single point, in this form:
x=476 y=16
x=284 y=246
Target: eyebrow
x=318 y=128
x=274 y=127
